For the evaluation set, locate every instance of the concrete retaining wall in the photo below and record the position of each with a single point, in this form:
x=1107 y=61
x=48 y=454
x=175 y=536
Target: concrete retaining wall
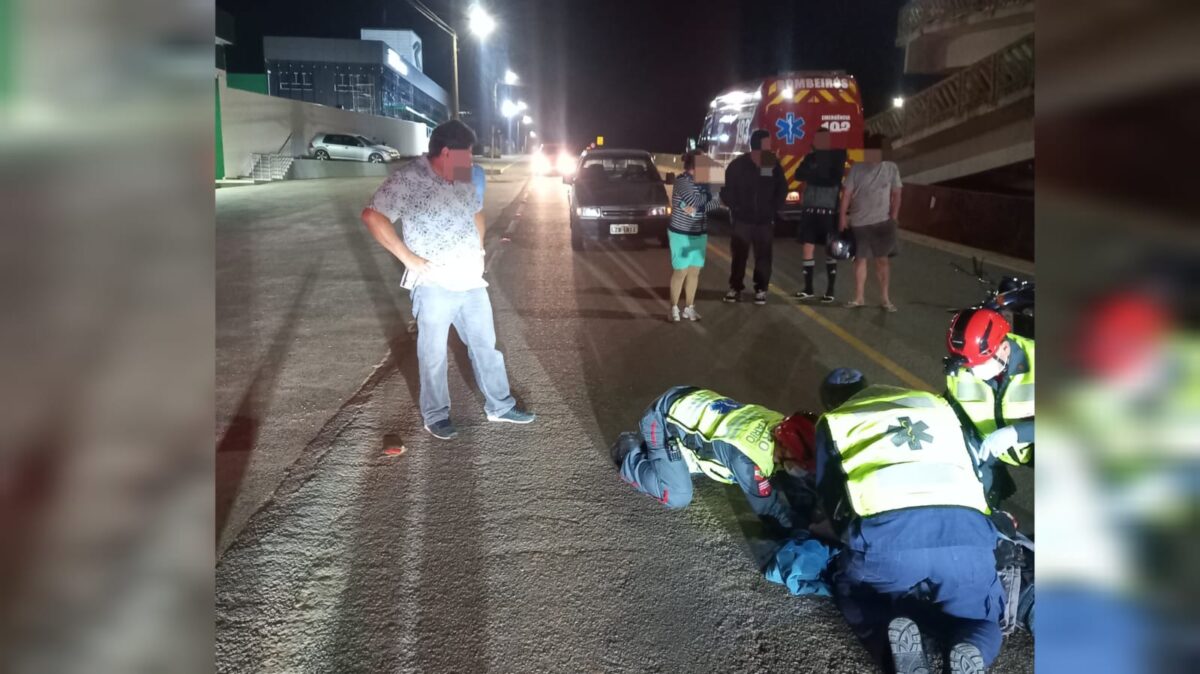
x=309 y=169
x=253 y=123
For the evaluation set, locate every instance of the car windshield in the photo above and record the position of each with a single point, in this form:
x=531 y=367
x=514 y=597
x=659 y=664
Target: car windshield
x=366 y=141
x=617 y=169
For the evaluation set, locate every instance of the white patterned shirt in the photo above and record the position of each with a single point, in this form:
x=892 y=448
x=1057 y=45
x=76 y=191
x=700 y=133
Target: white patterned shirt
x=437 y=222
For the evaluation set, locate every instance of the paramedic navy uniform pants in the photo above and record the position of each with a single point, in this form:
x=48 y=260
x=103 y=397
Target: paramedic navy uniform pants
x=895 y=566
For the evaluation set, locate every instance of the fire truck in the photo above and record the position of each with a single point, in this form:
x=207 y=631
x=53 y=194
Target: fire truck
x=792 y=106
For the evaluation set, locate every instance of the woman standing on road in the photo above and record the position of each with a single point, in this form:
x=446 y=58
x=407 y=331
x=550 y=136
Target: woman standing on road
x=688 y=237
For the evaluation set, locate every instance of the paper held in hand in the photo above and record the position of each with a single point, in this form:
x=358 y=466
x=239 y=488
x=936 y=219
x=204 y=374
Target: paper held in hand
x=409 y=280
x=709 y=171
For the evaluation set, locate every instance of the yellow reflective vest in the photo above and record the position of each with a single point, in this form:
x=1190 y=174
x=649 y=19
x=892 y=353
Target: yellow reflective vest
x=902 y=448
x=711 y=416
x=1016 y=401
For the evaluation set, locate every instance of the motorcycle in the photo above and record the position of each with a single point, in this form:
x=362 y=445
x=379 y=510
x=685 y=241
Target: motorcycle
x=1011 y=296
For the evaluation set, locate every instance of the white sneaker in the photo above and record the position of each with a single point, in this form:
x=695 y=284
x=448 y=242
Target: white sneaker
x=690 y=314
x=674 y=317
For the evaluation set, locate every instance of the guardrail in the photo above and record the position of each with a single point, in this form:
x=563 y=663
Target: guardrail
x=987 y=82
x=917 y=14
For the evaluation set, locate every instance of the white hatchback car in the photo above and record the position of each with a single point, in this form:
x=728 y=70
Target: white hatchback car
x=354 y=148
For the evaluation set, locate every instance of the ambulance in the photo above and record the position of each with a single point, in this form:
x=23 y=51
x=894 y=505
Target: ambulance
x=791 y=106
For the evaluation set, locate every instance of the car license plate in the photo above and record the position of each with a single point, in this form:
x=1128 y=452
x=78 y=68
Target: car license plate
x=622 y=229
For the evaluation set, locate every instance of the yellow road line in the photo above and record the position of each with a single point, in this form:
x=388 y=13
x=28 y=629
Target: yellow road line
x=840 y=332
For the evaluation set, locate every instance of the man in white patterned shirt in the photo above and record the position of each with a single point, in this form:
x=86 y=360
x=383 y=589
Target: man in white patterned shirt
x=435 y=204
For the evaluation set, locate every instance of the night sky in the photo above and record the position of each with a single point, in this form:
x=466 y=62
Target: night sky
x=639 y=72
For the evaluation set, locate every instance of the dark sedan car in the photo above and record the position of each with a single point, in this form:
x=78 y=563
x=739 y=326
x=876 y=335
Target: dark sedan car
x=618 y=194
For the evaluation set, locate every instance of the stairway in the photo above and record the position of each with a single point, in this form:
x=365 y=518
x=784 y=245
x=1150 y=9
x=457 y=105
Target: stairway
x=268 y=167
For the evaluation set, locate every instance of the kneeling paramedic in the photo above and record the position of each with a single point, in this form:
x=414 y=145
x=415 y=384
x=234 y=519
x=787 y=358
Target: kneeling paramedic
x=989 y=377
x=899 y=486
x=689 y=430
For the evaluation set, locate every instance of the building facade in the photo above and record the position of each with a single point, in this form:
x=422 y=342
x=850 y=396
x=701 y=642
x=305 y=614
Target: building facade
x=366 y=76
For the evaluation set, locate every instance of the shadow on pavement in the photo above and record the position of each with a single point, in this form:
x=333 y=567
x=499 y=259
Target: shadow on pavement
x=393 y=321
x=657 y=293
x=236 y=446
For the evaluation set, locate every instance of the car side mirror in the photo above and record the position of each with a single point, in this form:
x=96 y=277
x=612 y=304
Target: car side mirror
x=669 y=178
x=566 y=180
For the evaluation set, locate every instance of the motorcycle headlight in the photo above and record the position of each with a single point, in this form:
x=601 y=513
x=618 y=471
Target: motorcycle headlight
x=588 y=212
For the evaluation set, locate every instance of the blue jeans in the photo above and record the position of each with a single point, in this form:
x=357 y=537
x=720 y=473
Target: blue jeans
x=470 y=312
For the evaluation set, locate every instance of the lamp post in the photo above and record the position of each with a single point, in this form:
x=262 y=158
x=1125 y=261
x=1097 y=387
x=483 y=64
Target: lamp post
x=508 y=110
x=510 y=80
x=526 y=120
x=480 y=23
x=514 y=120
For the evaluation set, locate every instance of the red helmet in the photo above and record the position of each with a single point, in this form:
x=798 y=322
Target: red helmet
x=796 y=436
x=975 y=334
x=1120 y=332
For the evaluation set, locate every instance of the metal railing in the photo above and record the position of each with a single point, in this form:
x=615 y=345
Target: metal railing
x=985 y=83
x=917 y=14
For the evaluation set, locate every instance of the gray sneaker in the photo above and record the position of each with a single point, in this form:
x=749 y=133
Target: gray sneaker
x=442 y=430
x=908 y=654
x=760 y=297
x=732 y=296
x=514 y=416
x=966 y=659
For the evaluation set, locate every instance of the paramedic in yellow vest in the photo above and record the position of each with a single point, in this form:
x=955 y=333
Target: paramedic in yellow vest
x=990 y=378
x=688 y=431
x=899 y=486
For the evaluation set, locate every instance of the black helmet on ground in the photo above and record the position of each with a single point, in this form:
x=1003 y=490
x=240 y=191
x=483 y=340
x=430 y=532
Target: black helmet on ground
x=840 y=246
x=840 y=385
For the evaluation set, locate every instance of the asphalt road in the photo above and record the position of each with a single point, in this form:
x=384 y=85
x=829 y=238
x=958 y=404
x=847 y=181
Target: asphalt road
x=511 y=548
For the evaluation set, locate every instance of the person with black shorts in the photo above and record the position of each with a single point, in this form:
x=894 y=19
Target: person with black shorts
x=821 y=172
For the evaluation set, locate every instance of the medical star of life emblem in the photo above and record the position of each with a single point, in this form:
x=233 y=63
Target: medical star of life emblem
x=909 y=433
x=790 y=128
x=724 y=406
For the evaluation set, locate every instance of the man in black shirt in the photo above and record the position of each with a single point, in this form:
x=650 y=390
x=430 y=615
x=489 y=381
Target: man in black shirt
x=755 y=189
x=821 y=172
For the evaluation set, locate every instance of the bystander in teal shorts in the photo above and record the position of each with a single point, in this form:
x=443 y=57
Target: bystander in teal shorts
x=687 y=250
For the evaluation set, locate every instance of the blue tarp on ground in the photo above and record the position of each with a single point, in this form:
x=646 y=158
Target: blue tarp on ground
x=800 y=565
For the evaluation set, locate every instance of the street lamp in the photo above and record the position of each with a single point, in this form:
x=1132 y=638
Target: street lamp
x=526 y=120
x=510 y=78
x=481 y=24
x=898 y=102
x=508 y=108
